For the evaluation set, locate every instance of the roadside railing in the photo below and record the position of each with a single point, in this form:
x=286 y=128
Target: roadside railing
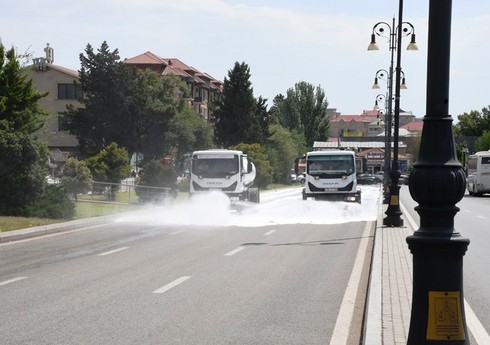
x=125 y=192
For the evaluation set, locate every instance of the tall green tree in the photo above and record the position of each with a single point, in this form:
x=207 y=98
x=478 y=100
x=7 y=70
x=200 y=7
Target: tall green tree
x=483 y=142
x=129 y=107
x=23 y=157
x=76 y=177
x=240 y=117
x=110 y=165
x=474 y=123
x=259 y=157
x=189 y=132
x=282 y=150
x=304 y=109
x=19 y=107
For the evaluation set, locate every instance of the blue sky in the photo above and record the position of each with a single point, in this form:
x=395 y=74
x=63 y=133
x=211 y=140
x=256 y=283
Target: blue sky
x=283 y=41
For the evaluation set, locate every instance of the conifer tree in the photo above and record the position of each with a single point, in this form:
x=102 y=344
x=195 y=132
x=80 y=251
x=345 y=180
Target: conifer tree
x=23 y=158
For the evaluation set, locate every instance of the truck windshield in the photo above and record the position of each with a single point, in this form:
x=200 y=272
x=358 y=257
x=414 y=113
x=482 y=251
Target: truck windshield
x=209 y=166
x=330 y=165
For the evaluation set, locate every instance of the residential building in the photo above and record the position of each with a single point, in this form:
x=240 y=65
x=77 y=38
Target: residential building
x=204 y=90
x=62 y=90
x=60 y=83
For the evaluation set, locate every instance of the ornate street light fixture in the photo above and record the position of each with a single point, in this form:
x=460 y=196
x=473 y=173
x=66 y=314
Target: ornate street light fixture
x=394 y=35
x=437 y=183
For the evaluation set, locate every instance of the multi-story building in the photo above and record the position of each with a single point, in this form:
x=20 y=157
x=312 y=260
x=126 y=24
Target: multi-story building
x=60 y=83
x=204 y=90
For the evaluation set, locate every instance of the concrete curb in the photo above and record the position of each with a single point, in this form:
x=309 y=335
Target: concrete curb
x=42 y=230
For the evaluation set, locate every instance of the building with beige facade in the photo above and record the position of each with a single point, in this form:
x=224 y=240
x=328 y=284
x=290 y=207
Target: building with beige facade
x=61 y=85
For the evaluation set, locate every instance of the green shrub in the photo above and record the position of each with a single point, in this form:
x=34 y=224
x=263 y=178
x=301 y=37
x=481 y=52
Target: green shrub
x=153 y=178
x=54 y=203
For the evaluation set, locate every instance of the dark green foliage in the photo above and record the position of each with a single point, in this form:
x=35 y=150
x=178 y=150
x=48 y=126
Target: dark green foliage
x=189 y=132
x=483 y=142
x=23 y=158
x=23 y=170
x=474 y=123
x=76 y=177
x=303 y=109
x=110 y=165
x=257 y=153
x=240 y=118
x=19 y=109
x=282 y=150
x=55 y=203
x=152 y=179
x=123 y=105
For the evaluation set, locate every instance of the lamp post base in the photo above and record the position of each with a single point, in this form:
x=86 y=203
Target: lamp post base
x=393 y=212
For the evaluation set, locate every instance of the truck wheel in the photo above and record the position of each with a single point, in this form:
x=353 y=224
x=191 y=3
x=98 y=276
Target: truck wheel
x=254 y=195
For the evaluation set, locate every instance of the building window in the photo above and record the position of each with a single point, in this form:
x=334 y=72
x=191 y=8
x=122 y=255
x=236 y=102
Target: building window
x=69 y=91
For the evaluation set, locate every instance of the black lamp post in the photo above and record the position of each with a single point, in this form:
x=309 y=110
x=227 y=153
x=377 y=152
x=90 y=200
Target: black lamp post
x=404 y=29
x=387 y=153
x=437 y=183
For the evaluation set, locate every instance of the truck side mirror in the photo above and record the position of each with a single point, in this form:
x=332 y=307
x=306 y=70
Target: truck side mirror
x=249 y=166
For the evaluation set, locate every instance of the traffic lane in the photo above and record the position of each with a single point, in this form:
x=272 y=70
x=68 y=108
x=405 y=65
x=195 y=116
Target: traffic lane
x=102 y=300
x=472 y=222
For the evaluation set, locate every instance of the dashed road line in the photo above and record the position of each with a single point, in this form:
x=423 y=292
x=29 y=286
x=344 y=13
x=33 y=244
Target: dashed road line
x=113 y=251
x=171 y=285
x=269 y=232
x=12 y=280
x=234 y=251
x=342 y=325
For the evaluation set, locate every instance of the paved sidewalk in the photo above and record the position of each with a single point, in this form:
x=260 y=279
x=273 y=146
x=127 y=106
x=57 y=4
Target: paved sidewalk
x=390 y=291
x=390 y=295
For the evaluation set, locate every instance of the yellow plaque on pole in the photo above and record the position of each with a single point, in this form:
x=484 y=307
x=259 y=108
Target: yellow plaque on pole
x=394 y=200
x=445 y=321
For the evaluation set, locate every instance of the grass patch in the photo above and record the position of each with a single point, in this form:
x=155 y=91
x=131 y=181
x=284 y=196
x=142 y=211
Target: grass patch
x=14 y=223
x=96 y=209
x=82 y=210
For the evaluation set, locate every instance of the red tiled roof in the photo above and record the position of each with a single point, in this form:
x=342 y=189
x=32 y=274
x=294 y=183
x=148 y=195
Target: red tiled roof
x=173 y=66
x=349 y=118
x=415 y=126
x=372 y=112
x=147 y=58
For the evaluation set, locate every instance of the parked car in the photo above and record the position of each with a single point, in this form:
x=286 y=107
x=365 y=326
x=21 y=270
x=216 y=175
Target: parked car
x=301 y=178
x=368 y=179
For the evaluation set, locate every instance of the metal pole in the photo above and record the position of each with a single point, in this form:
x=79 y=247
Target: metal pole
x=437 y=183
x=393 y=213
x=388 y=117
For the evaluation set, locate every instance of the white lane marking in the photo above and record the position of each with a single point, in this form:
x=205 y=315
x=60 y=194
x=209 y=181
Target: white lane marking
x=342 y=325
x=176 y=232
x=269 y=232
x=234 y=251
x=481 y=217
x=113 y=251
x=12 y=280
x=476 y=328
x=171 y=285
x=474 y=325
x=409 y=218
